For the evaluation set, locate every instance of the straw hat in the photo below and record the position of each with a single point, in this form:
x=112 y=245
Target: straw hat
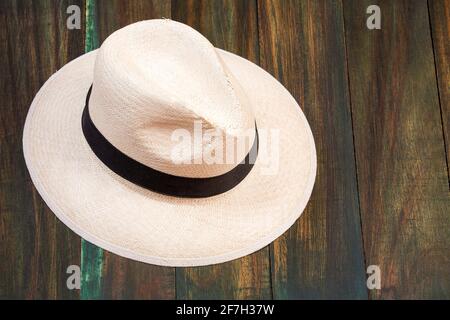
x=127 y=146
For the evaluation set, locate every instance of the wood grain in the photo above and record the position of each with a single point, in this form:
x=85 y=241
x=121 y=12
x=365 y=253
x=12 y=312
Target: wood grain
x=378 y=102
x=36 y=248
x=91 y=256
x=400 y=152
x=302 y=44
x=231 y=25
x=106 y=275
x=440 y=27
x=115 y=14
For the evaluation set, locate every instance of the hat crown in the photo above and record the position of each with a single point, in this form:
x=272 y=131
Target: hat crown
x=154 y=77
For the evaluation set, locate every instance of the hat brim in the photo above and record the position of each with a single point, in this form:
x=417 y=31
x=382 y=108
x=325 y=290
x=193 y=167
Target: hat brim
x=139 y=224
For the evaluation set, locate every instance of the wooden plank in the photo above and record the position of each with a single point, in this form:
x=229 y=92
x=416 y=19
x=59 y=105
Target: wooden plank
x=399 y=147
x=440 y=27
x=321 y=257
x=106 y=275
x=36 y=248
x=231 y=25
x=91 y=255
x=115 y=14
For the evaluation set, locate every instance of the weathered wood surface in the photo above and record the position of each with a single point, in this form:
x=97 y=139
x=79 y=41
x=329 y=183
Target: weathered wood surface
x=440 y=27
x=378 y=105
x=35 y=247
x=230 y=25
x=402 y=176
x=302 y=44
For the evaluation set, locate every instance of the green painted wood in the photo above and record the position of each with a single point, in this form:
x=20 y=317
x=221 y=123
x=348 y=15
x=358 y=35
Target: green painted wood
x=440 y=26
x=91 y=34
x=91 y=271
x=91 y=255
x=36 y=248
x=302 y=44
x=231 y=25
x=106 y=275
x=402 y=174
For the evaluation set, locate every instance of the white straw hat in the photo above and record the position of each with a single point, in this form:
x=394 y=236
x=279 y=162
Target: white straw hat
x=101 y=137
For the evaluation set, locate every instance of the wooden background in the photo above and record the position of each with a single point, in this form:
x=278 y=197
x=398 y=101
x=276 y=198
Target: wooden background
x=378 y=102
